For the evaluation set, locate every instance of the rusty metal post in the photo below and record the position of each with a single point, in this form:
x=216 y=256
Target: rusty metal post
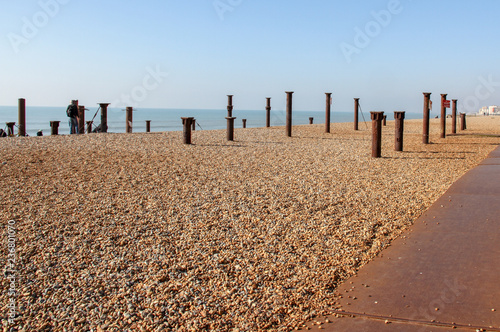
x=10 y=128
x=229 y=106
x=89 y=126
x=268 y=112
x=148 y=126
x=289 y=113
x=400 y=125
x=377 y=118
x=454 y=117
x=187 y=122
x=81 y=119
x=328 y=112
x=311 y=120
x=54 y=128
x=104 y=117
x=443 y=115
x=22 y=117
x=244 y=123
x=463 y=123
x=385 y=120
x=128 y=118
x=193 y=125
x=230 y=128
x=356 y=113
x=427 y=103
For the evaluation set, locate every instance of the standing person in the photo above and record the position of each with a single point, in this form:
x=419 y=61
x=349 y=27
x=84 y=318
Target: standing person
x=72 y=113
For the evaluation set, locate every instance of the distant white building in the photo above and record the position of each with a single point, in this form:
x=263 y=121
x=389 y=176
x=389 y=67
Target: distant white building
x=489 y=110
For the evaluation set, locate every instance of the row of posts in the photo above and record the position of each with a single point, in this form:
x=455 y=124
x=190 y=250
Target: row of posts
x=378 y=119
x=189 y=123
x=54 y=125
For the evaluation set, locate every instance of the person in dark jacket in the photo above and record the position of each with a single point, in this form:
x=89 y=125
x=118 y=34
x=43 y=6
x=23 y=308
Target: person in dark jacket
x=72 y=113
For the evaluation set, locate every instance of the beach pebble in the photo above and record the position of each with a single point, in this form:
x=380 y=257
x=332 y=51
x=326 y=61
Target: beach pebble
x=140 y=232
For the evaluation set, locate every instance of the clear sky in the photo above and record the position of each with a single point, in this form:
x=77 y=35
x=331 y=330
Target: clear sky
x=192 y=53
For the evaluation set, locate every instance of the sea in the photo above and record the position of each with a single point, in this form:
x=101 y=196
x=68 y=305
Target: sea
x=38 y=118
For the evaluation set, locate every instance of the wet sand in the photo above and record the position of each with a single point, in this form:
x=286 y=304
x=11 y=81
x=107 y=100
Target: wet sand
x=140 y=232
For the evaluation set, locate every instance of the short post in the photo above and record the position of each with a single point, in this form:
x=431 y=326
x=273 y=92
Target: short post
x=10 y=128
x=289 y=113
x=400 y=123
x=229 y=106
x=193 y=125
x=54 y=128
x=89 y=126
x=385 y=120
x=443 y=115
x=81 y=119
x=104 y=117
x=128 y=116
x=268 y=112
x=148 y=126
x=427 y=103
x=311 y=120
x=244 y=123
x=454 y=117
x=22 y=117
x=463 y=123
x=377 y=118
x=356 y=113
x=187 y=122
x=230 y=128
x=328 y=111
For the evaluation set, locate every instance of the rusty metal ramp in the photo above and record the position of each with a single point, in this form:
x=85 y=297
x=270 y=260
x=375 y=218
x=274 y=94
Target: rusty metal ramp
x=443 y=274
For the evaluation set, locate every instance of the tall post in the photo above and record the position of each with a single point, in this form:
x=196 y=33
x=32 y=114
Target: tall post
x=54 y=128
x=443 y=115
x=311 y=120
x=148 y=126
x=81 y=119
x=230 y=128
x=187 y=123
x=268 y=112
x=10 y=128
x=377 y=118
x=463 y=123
x=104 y=117
x=427 y=103
x=454 y=117
x=356 y=113
x=22 y=117
x=128 y=126
x=328 y=112
x=289 y=113
x=244 y=123
x=400 y=125
x=229 y=106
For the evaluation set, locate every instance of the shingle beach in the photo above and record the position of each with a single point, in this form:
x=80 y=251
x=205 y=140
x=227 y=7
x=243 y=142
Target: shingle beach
x=139 y=232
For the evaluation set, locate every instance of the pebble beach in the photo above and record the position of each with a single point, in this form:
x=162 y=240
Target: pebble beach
x=139 y=232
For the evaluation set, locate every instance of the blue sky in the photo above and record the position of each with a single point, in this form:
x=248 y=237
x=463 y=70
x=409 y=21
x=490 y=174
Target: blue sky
x=192 y=53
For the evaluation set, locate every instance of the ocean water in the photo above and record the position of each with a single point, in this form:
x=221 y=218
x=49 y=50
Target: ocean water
x=38 y=118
